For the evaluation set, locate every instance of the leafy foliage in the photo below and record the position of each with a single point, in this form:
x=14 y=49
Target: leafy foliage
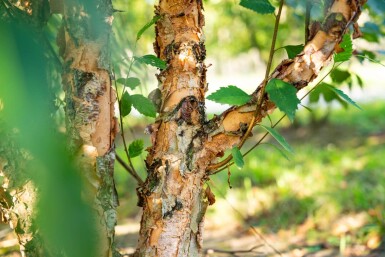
x=284 y=96
x=129 y=82
x=148 y=25
x=135 y=148
x=344 y=96
x=323 y=89
x=280 y=139
x=237 y=156
x=259 y=6
x=339 y=75
x=230 y=95
x=347 y=45
x=293 y=50
x=152 y=60
x=125 y=104
x=143 y=105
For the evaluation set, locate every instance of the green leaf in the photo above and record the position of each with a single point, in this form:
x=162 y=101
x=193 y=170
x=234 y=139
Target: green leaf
x=129 y=82
x=347 y=45
x=135 y=148
x=143 y=105
x=339 y=76
x=279 y=150
x=125 y=104
x=230 y=95
x=237 y=156
x=284 y=96
x=145 y=27
x=152 y=60
x=328 y=95
x=359 y=81
x=280 y=139
x=344 y=96
x=293 y=50
x=259 y=6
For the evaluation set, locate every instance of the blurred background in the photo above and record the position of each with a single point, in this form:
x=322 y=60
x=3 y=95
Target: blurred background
x=328 y=199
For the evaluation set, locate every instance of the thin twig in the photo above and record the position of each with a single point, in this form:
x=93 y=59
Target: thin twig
x=261 y=96
x=128 y=168
x=233 y=252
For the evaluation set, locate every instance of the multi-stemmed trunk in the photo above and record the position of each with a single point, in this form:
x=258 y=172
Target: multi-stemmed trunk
x=185 y=145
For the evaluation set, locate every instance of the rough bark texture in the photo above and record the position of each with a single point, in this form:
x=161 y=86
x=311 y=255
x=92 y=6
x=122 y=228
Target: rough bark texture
x=91 y=126
x=18 y=195
x=184 y=144
x=173 y=198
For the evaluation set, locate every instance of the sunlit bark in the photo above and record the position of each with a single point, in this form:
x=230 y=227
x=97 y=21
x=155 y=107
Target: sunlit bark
x=174 y=197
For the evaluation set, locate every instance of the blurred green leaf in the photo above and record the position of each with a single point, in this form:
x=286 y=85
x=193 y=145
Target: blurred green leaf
x=125 y=104
x=293 y=50
x=339 y=76
x=143 y=105
x=323 y=89
x=359 y=81
x=135 y=148
x=344 y=96
x=237 y=156
x=230 y=95
x=347 y=45
x=152 y=60
x=371 y=32
x=284 y=96
x=280 y=139
x=148 y=25
x=279 y=150
x=259 y=6
x=129 y=82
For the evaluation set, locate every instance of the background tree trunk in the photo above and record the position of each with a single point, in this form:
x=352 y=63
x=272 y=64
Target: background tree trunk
x=91 y=126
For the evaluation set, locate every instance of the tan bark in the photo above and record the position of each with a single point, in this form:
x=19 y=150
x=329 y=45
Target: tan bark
x=91 y=126
x=184 y=145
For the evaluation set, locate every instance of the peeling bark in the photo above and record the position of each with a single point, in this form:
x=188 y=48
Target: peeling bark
x=229 y=128
x=184 y=144
x=91 y=126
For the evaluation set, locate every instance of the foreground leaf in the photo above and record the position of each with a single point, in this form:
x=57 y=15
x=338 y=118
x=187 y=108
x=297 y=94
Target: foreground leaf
x=344 y=96
x=230 y=95
x=280 y=139
x=347 y=45
x=152 y=60
x=125 y=104
x=237 y=156
x=284 y=96
x=135 y=148
x=129 y=82
x=145 y=27
x=293 y=50
x=143 y=105
x=259 y=6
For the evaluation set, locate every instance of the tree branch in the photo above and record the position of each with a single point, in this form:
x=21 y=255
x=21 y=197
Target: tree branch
x=228 y=129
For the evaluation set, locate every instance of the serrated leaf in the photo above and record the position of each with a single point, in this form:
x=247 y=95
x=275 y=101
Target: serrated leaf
x=284 y=96
x=129 y=82
x=327 y=94
x=339 y=76
x=145 y=27
x=237 y=156
x=293 y=50
x=152 y=60
x=344 y=96
x=279 y=150
x=135 y=148
x=347 y=45
x=143 y=105
x=230 y=95
x=125 y=104
x=259 y=6
x=280 y=139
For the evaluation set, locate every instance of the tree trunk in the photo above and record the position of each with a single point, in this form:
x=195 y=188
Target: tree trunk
x=185 y=145
x=174 y=201
x=91 y=126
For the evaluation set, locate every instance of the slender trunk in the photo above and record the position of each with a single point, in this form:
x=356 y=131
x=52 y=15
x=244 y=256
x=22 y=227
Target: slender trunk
x=91 y=126
x=173 y=198
x=185 y=145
